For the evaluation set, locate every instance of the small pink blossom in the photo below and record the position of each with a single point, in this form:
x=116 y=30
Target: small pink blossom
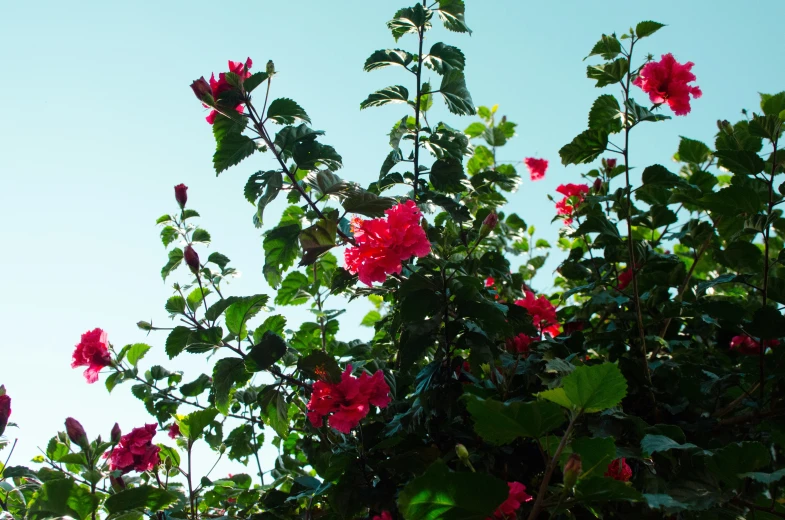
x=667 y=81
x=536 y=167
x=92 y=352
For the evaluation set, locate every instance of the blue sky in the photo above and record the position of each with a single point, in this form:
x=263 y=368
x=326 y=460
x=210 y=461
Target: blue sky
x=99 y=125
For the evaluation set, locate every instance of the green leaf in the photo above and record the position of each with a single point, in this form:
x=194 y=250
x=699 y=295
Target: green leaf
x=501 y=423
x=409 y=20
x=692 y=151
x=177 y=341
x=658 y=175
x=256 y=79
x=452 y=14
x=275 y=323
x=590 y=388
x=136 y=352
x=239 y=312
x=605 y=114
x=446 y=495
x=475 y=129
x=292 y=290
x=651 y=444
x=284 y=111
x=596 y=454
x=276 y=410
x=175 y=257
x=370 y=319
x=288 y=136
x=456 y=95
x=196 y=297
x=387 y=57
x=393 y=94
x=310 y=154
x=226 y=126
x=271 y=182
x=168 y=235
x=608 y=73
x=585 y=148
x=218 y=259
x=639 y=114
x=142 y=497
x=732 y=201
x=264 y=354
x=605 y=490
x=226 y=373
x=327 y=183
x=442 y=58
x=367 y=204
x=647 y=28
x=742 y=162
x=196 y=387
x=62 y=497
x=280 y=247
x=200 y=235
x=663 y=501
x=772 y=105
x=193 y=424
x=765 y=478
x=175 y=305
x=317 y=240
x=318 y=362
x=231 y=150
x=608 y=47
x=446 y=175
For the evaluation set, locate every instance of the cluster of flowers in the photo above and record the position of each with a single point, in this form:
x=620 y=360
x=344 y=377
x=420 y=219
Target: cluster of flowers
x=134 y=451
x=348 y=402
x=382 y=244
x=574 y=195
x=208 y=93
x=544 y=318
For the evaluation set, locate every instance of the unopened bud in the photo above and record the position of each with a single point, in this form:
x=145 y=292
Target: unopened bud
x=144 y=325
x=118 y=484
x=270 y=68
x=597 y=186
x=462 y=452
x=5 y=409
x=181 y=195
x=610 y=163
x=489 y=224
x=202 y=90
x=116 y=434
x=191 y=259
x=75 y=431
x=572 y=469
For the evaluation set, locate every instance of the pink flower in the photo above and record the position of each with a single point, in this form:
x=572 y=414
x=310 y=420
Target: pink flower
x=221 y=85
x=383 y=243
x=666 y=81
x=520 y=344
x=5 y=411
x=619 y=470
x=542 y=311
x=92 y=352
x=536 y=167
x=181 y=195
x=748 y=346
x=489 y=282
x=625 y=277
x=135 y=451
x=517 y=496
x=348 y=401
x=574 y=195
x=174 y=431
x=384 y=516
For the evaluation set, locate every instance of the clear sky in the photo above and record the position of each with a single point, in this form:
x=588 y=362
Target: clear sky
x=99 y=124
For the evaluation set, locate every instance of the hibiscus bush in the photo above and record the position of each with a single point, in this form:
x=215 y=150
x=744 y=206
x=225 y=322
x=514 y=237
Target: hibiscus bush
x=643 y=384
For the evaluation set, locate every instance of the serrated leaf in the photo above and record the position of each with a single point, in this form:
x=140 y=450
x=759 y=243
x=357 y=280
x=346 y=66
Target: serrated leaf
x=317 y=239
x=605 y=114
x=256 y=79
x=370 y=319
x=175 y=257
x=327 y=183
x=227 y=373
x=238 y=313
x=453 y=15
x=693 y=151
x=456 y=95
x=409 y=20
x=193 y=424
x=367 y=203
x=608 y=47
x=638 y=113
x=231 y=150
x=608 y=73
x=387 y=57
x=281 y=248
x=501 y=423
x=140 y=498
x=62 y=497
x=585 y=147
x=310 y=154
x=271 y=182
x=218 y=259
x=136 y=352
x=647 y=28
x=285 y=111
x=195 y=297
x=196 y=387
x=446 y=175
x=442 y=58
x=275 y=323
x=168 y=235
x=742 y=162
x=393 y=94
x=590 y=388
x=264 y=354
x=651 y=444
x=292 y=290
x=200 y=235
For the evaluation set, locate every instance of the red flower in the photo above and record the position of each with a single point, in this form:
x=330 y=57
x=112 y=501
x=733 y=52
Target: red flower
x=747 y=345
x=174 y=431
x=542 y=311
x=348 y=401
x=221 y=85
x=625 y=277
x=191 y=259
x=5 y=411
x=135 y=451
x=181 y=195
x=610 y=163
x=383 y=243
x=574 y=195
x=520 y=344
x=536 y=167
x=515 y=498
x=666 y=81
x=619 y=470
x=384 y=516
x=92 y=352
x=489 y=282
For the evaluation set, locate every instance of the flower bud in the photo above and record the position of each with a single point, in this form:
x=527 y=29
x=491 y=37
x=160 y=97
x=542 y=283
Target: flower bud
x=181 y=195
x=191 y=259
x=75 y=431
x=202 y=89
x=597 y=186
x=5 y=409
x=116 y=434
x=462 y=452
x=118 y=484
x=572 y=469
x=270 y=68
x=610 y=163
x=489 y=224
x=144 y=325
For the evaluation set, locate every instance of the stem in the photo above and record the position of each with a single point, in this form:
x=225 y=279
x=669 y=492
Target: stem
x=319 y=306
x=421 y=34
x=5 y=464
x=766 y=233
x=630 y=244
x=546 y=479
x=191 y=496
x=256 y=450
